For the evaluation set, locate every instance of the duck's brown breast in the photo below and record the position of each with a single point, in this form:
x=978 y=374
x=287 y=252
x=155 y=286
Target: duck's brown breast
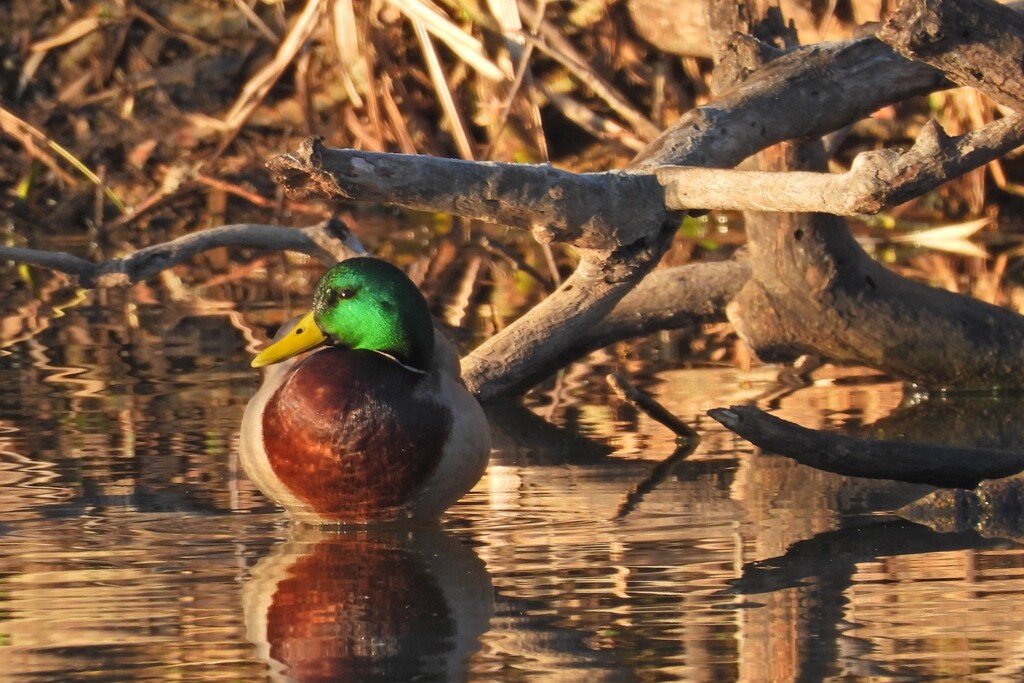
x=351 y=436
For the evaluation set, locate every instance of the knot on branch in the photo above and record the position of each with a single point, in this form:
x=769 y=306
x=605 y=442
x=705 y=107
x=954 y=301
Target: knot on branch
x=926 y=33
x=909 y=28
x=864 y=162
x=741 y=55
x=301 y=172
x=932 y=140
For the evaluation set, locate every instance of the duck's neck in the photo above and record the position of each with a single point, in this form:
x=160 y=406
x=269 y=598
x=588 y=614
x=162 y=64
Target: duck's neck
x=411 y=344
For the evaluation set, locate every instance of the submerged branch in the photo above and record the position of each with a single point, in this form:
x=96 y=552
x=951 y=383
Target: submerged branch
x=647 y=404
x=329 y=241
x=943 y=466
x=658 y=474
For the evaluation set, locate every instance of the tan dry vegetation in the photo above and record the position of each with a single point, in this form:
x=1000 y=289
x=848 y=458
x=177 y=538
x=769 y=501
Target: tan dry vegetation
x=125 y=124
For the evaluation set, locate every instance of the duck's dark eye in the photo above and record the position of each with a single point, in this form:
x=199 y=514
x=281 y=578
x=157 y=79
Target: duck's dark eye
x=333 y=296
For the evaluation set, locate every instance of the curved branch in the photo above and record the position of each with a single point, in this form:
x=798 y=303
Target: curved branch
x=670 y=298
x=329 y=241
x=877 y=180
x=806 y=92
x=943 y=466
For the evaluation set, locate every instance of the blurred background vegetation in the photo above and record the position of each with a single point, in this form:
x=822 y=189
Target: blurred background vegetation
x=127 y=123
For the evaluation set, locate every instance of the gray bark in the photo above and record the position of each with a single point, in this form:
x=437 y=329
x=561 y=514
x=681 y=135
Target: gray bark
x=977 y=43
x=943 y=466
x=877 y=181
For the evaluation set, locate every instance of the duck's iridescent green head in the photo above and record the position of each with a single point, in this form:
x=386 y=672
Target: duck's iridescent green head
x=363 y=303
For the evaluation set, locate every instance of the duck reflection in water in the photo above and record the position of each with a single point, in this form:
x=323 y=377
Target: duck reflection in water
x=368 y=605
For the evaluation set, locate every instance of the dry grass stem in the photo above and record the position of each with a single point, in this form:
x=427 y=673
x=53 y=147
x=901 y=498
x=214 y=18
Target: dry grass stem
x=260 y=84
x=643 y=127
x=456 y=125
x=466 y=47
x=27 y=134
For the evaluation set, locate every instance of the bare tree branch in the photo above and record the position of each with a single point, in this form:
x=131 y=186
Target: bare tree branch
x=811 y=90
x=814 y=290
x=667 y=299
x=977 y=43
x=531 y=347
x=944 y=466
x=590 y=210
x=877 y=180
x=806 y=92
x=329 y=241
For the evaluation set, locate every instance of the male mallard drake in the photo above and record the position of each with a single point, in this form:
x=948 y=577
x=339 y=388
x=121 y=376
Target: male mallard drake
x=373 y=426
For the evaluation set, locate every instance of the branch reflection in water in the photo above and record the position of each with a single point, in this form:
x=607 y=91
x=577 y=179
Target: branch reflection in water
x=822 y=570
x=364 y=605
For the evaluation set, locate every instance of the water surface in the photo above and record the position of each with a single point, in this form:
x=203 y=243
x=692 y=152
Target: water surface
x=133 y=548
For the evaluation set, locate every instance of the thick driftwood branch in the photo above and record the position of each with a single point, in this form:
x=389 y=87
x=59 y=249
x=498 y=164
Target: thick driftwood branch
x=977 y=43
x=329 y=241
x=944 y=466
x=814 y=290
x=667 y=299
x=876 y=181
x=531 y=347
x=809 y=91
x=590 y=210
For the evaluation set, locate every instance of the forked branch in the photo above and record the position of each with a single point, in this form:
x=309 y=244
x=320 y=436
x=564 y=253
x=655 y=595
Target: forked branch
x=877 y=180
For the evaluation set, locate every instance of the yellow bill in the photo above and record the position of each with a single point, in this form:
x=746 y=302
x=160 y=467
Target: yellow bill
x=303 y=337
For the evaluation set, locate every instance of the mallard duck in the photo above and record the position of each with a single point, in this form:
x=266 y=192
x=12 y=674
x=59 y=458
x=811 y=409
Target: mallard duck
x=375 y=425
